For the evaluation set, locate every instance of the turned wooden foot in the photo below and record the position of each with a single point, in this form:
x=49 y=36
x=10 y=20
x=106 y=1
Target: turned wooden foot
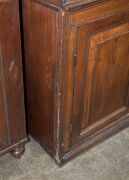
x=18 y=151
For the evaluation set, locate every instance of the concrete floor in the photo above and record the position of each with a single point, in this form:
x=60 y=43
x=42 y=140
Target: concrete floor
x=107 y=161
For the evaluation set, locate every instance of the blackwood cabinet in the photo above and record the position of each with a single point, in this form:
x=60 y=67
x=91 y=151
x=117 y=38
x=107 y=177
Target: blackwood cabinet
x=77 y=69
x=12 y=115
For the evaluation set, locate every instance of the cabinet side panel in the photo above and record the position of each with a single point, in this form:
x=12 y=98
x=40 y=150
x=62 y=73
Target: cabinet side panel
x=40 y=52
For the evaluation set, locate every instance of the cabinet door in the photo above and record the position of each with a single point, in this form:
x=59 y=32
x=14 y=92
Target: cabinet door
x=98 y=76
x=12 y=124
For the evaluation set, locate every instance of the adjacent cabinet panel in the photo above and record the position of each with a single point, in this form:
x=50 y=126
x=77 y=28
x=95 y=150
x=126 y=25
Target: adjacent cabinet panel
x=12 y=115
x=89 y=46
x=3 y=119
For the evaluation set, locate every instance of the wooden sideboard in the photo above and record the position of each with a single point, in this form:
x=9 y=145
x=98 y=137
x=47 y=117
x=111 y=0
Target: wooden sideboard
x=12 y=115
x=77 y=72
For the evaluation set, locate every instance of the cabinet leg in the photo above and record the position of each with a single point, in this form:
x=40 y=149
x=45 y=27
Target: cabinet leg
x=18 y=151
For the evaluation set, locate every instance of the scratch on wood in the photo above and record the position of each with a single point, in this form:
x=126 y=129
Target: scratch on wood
x=63 y=13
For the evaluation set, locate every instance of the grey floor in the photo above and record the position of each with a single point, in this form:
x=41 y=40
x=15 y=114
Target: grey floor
x=107 y=161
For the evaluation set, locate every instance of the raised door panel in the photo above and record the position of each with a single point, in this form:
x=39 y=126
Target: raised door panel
x=106 y=98
x=108 y=74
x=98 y=77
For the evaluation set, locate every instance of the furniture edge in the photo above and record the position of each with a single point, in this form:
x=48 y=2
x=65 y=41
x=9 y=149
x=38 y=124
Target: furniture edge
x=99 y=138
x=11 y=148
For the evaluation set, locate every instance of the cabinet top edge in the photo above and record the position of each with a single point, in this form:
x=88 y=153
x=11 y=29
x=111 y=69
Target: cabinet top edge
x=72 y=3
